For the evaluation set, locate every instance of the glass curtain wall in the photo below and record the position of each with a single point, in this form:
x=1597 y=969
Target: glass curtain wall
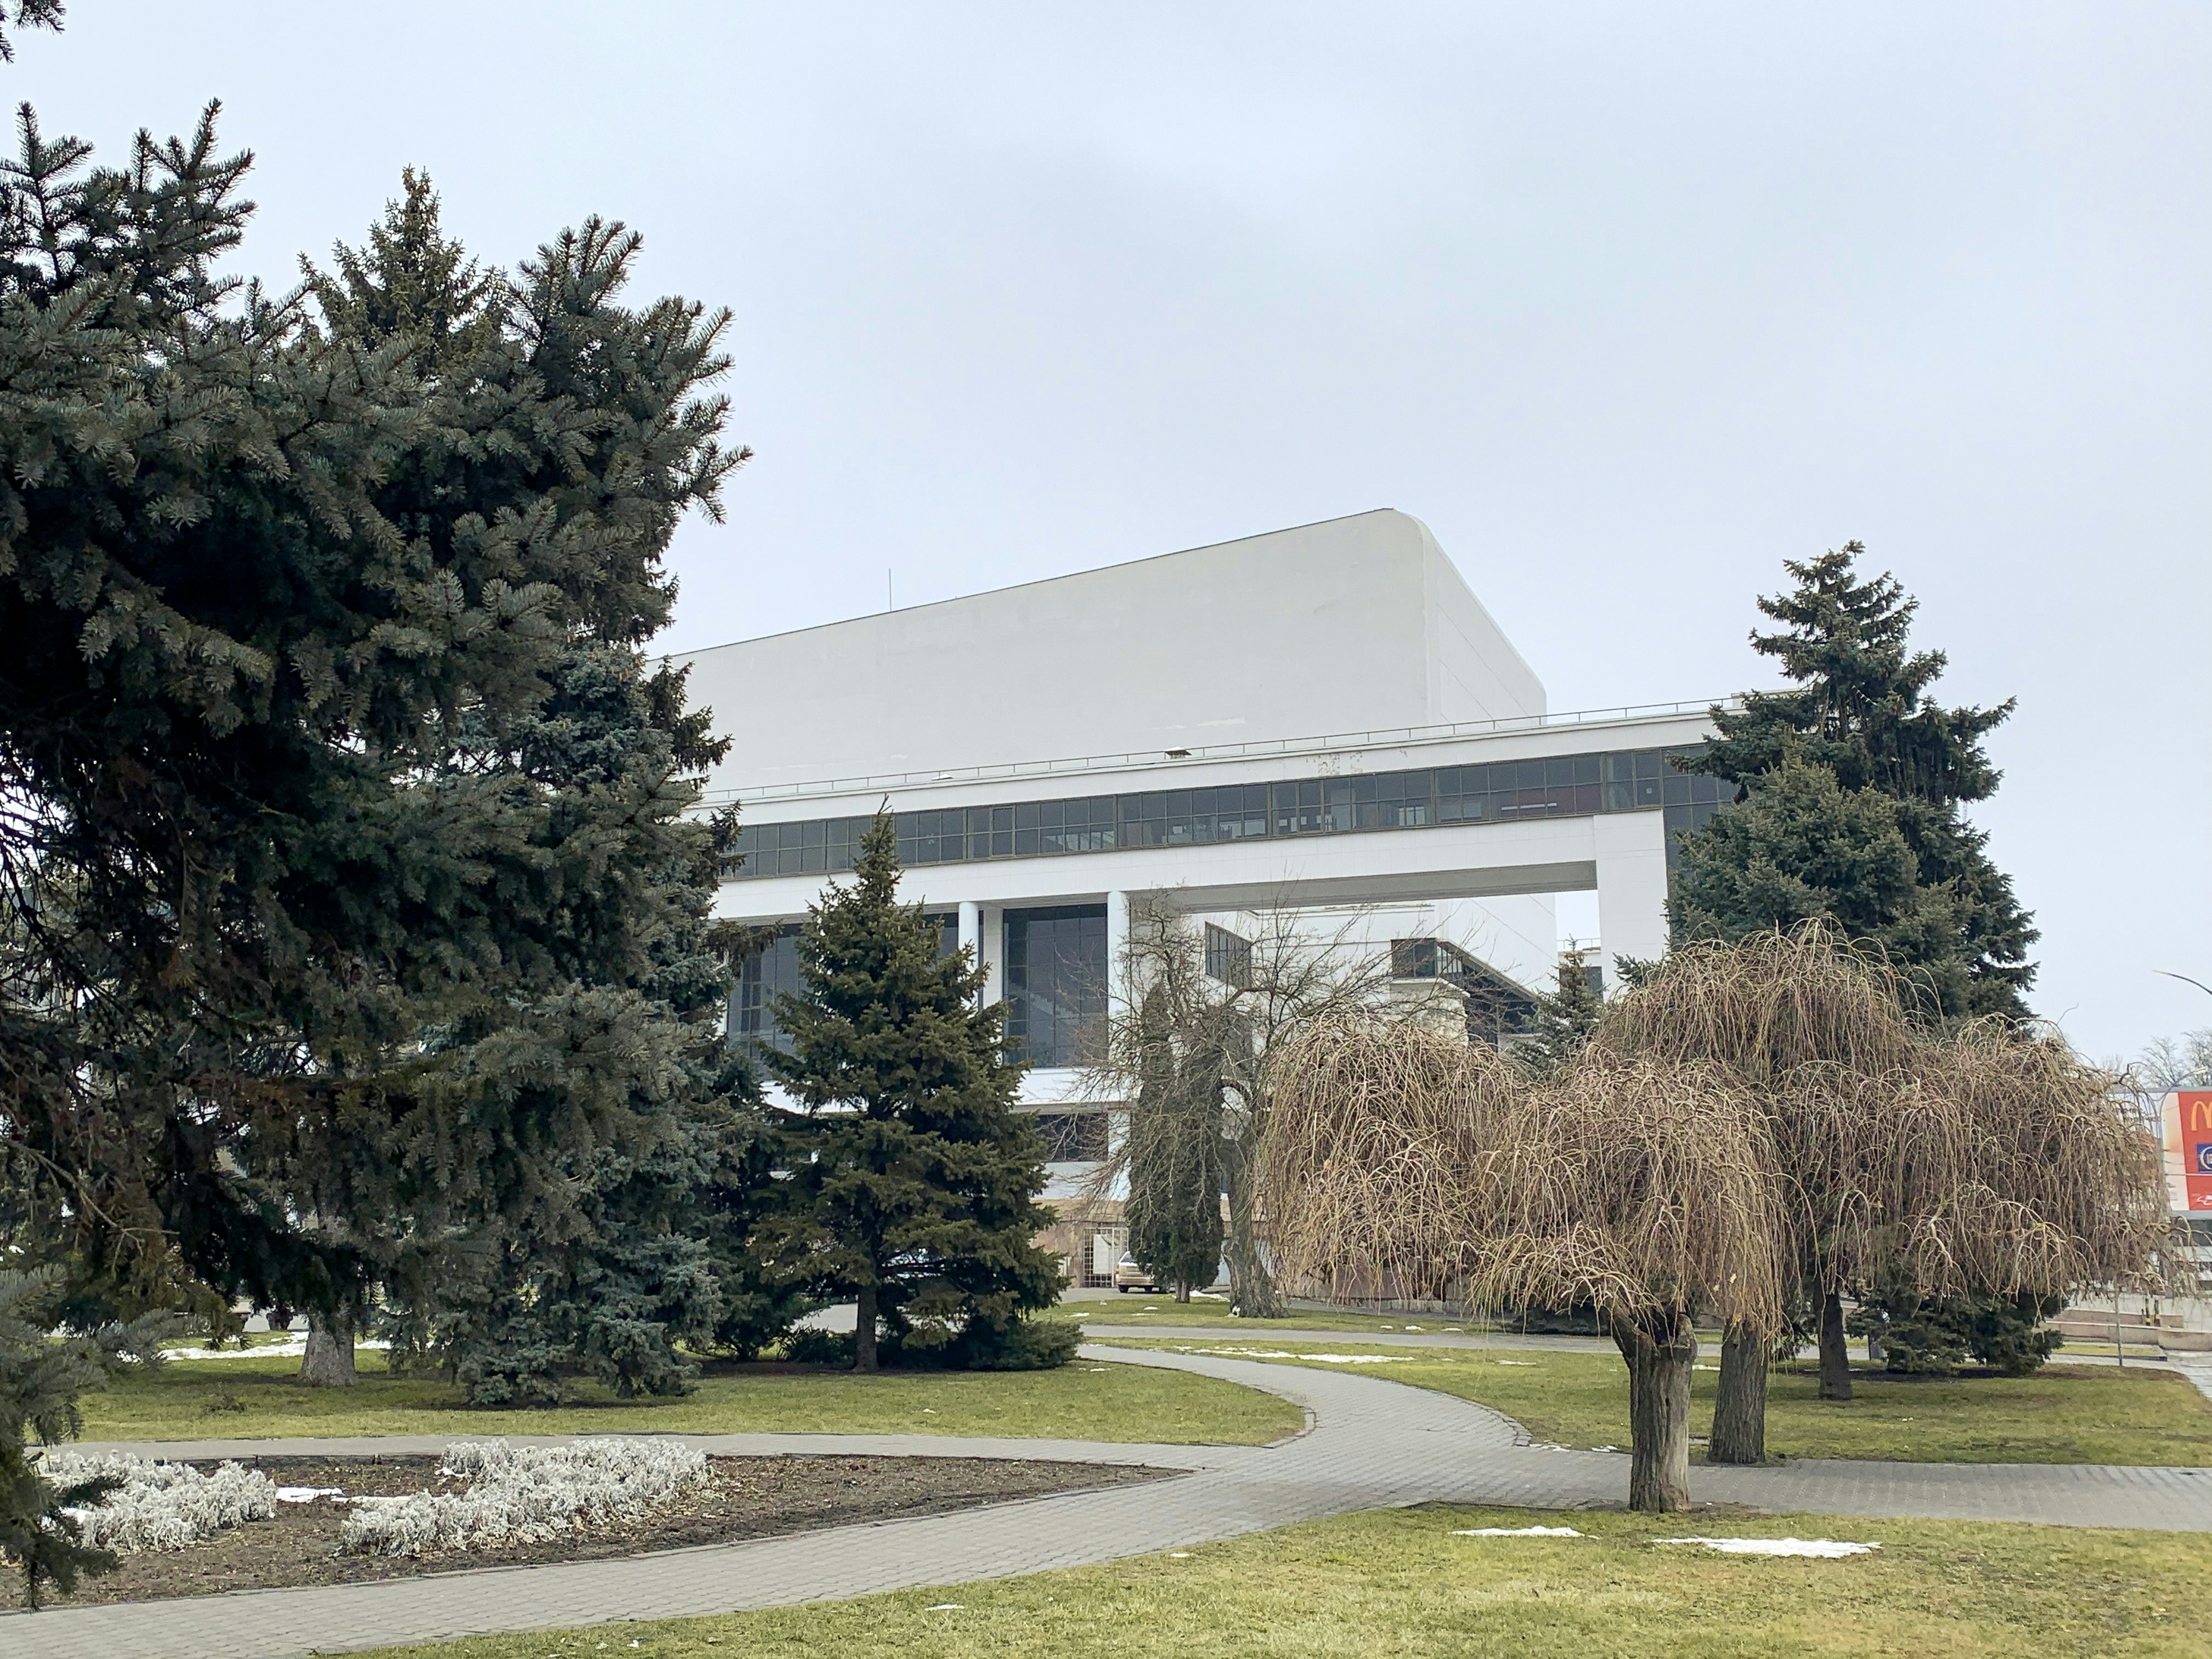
x=773 y=970
x=1055 y=969
x=1503 y=791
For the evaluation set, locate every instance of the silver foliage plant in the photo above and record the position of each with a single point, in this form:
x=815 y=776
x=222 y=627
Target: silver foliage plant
x=525 y=1495
x=160 y=1506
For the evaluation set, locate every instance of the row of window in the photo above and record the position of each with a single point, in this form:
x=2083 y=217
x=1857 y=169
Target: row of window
x=1625 y=780
x=1055 y=983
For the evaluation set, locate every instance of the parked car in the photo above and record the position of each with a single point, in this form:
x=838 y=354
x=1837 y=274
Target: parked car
x=1129 y=1275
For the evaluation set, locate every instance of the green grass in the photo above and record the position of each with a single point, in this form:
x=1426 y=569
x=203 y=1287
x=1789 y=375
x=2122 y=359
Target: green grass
x=1397 y=1583
x=250 y=1398
x=2062 y=1414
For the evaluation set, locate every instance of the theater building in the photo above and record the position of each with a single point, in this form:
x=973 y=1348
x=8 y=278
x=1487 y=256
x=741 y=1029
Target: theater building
x=1322 y=721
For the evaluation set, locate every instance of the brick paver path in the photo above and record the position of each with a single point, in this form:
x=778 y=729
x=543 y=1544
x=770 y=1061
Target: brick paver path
x=1374 y=1443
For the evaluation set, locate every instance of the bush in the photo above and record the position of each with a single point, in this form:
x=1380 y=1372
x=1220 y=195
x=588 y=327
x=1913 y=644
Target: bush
x=1923 y=1336
x=528 y=1493
x=810 y=1346
x=1026 y=1345
x=2008 y=1333
x=159 y=1506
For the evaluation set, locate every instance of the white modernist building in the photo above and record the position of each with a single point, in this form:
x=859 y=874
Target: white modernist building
x=1322 y=719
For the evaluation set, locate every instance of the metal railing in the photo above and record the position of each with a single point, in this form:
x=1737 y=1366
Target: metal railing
x=1388 y=737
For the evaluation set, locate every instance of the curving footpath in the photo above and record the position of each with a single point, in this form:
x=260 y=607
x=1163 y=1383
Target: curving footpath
x=1370 y=1444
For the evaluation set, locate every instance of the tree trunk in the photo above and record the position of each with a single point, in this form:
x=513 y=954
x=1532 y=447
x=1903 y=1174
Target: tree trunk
x=864 y=1332
x=328 y=1362
x=1182 y=1293
x=1740 y=1405
x=1835 y=1357
x=1660 y=1352
x=1252 y=1290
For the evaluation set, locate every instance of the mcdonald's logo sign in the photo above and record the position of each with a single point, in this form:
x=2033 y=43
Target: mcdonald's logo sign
x=2188 y=1147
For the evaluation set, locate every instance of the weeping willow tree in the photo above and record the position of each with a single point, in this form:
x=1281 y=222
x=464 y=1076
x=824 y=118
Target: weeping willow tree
x=1985 y=1160
x=1753 y=1120
x=1643 y=1186
x=1823 y=1040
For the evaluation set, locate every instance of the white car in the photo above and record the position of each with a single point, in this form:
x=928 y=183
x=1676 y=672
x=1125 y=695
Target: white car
x=1130 y=1275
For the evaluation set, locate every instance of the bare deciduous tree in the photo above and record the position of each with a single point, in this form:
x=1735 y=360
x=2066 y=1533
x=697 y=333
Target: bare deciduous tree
x=1751 y=1116
x=1171 y=1015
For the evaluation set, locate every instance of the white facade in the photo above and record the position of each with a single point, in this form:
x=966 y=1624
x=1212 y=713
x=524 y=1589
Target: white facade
x=1331 y=659
x=1351 y=625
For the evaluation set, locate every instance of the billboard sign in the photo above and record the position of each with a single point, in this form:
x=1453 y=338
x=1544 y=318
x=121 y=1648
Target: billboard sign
x=2188 y=1125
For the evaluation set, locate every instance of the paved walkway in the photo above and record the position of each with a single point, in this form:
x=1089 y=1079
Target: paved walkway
x=1431 y=1336
x=1373 y=1443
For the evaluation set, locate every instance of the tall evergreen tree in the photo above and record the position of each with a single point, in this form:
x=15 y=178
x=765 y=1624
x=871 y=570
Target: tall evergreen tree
x=274 y=593
x=1849 y=808
x=658 y=1255
x=912 y=1182
x=1851 y=785
x=1176 y=1157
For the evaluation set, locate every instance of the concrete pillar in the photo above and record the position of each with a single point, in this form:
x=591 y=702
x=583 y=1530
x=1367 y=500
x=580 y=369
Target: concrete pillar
x=1631 y=887
x=1118 y=951
x=991 y=936
x=971 y=931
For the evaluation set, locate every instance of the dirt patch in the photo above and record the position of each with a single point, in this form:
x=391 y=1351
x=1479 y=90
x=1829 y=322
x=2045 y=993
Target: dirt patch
x=742 y=1497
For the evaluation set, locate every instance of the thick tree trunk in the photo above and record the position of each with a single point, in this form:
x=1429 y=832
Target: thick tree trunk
x=1660 y=1352
x=1835 y=1357
x=1251 y=1292
x=1740 y=1405
x=1182 y=1293
x=864 y=1331
x=328 y=1362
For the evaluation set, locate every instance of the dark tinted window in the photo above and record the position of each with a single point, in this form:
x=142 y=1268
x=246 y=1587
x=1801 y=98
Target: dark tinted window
x=1623 y=780
x=1055 y=981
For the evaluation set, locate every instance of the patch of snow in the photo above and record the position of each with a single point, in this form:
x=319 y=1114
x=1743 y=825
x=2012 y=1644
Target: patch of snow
x=1825 y=1549
x=308 y=1494
x=1520 y=1362
x=942 y=1607
x=1515 y=1532
x=291 y=1349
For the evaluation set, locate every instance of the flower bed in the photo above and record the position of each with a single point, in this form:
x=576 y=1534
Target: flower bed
x=525 y=1494
x=160 y=1506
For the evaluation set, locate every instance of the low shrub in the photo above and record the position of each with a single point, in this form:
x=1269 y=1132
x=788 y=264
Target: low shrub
x=1932 y=1336
x=1024 y=1345
x=810 y=1346
x=159 y=1506
x=525 y=1494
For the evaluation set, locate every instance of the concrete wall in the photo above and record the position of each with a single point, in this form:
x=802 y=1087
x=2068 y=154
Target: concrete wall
x=1351 y=625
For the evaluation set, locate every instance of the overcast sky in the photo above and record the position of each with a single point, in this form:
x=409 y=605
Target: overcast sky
x=1628 y=303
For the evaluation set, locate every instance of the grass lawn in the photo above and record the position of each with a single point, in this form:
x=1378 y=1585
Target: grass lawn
x=2062 y=1414
x=1397 y=1583
x=249 y=1398
x=1166 y=1310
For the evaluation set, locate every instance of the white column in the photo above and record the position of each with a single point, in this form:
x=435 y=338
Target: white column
x=1117 y=950
x=1631 y=887
x=971 y=931
x=991 y=930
